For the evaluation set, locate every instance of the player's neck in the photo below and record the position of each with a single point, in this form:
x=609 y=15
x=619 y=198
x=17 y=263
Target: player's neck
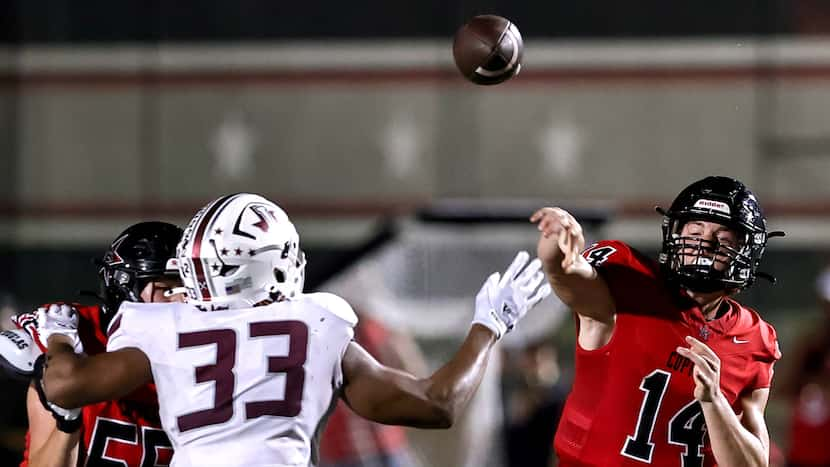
x=709 y=303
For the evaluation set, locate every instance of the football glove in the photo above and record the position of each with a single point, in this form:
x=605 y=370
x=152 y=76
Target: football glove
x=58 y=318
x=504 y=299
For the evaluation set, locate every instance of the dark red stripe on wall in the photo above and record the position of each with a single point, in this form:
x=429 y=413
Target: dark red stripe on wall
x=294 y=207
x=414 y=76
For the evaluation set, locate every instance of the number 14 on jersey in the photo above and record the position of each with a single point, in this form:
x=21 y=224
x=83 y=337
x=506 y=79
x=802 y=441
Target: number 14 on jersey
x=686 y=427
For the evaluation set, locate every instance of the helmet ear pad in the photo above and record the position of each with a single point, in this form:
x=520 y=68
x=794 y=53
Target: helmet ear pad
x=710 y=266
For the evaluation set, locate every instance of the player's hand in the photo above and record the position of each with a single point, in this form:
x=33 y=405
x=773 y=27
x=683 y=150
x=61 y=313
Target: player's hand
x=707 y=369
x=561 y=241
x=504 y=299
x=58 y=319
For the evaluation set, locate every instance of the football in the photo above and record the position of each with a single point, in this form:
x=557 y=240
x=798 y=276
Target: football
x=488 y=49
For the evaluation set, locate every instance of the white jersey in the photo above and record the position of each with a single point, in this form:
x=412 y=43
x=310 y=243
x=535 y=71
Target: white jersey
x=245 y=387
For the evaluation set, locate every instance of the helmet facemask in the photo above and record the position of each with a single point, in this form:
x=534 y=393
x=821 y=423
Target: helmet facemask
x=119 y=285
x=289 y=273
x=705 y=265
x=710 y=265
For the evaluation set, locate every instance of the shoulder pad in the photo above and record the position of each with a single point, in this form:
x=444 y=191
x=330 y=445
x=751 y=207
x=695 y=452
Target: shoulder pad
x=127 y=310
x=770 y=339
x=763 y=333
x=334 y=305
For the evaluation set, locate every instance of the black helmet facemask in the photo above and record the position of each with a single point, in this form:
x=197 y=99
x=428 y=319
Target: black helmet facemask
x=708 y=265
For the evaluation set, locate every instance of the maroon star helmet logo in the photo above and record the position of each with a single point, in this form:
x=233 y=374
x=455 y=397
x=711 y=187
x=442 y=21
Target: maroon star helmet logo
x=262 y=224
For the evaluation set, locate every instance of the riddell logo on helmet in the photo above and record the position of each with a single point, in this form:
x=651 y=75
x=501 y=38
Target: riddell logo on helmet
x=713 y=205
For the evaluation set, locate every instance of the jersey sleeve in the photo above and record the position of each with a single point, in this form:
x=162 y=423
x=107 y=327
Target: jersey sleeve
x=342 y=310
x=607 y=254
x=626 y=272
x=767 y=357
x=123 y=329
x=335 y=305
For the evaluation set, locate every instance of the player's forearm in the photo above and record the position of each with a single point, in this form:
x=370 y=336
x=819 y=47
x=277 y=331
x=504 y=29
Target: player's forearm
x=59 y=450
x=732 y=444
x=580 y=292
x=64 y=378
x=551 y=256
x=587 y=296
x=453 y=385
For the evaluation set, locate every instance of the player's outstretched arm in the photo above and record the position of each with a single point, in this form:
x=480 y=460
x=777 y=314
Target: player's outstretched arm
x=573 y=279
x=71 y=380
x=395 y=397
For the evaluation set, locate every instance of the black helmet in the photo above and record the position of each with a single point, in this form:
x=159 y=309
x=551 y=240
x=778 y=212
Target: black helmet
x=725 y=201
x=137 y=256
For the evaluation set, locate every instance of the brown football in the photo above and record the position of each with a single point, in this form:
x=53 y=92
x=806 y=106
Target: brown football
x=488 y=49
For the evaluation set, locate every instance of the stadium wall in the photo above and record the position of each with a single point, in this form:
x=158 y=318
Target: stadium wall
x=105 y=133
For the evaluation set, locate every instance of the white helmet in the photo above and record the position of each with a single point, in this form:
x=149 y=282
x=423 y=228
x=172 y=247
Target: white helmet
x=238 y=251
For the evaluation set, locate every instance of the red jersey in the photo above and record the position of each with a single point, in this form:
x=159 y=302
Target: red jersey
x=123 y=432
x=632 y=401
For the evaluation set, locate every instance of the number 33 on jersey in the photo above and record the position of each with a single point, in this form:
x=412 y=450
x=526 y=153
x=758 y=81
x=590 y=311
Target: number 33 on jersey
x=264 y=376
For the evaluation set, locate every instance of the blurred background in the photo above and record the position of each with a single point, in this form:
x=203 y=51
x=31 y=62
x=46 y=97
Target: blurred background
x=408 y=184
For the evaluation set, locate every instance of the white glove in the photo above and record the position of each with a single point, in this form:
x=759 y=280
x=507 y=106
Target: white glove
x=58 y=318
x=504 y=300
